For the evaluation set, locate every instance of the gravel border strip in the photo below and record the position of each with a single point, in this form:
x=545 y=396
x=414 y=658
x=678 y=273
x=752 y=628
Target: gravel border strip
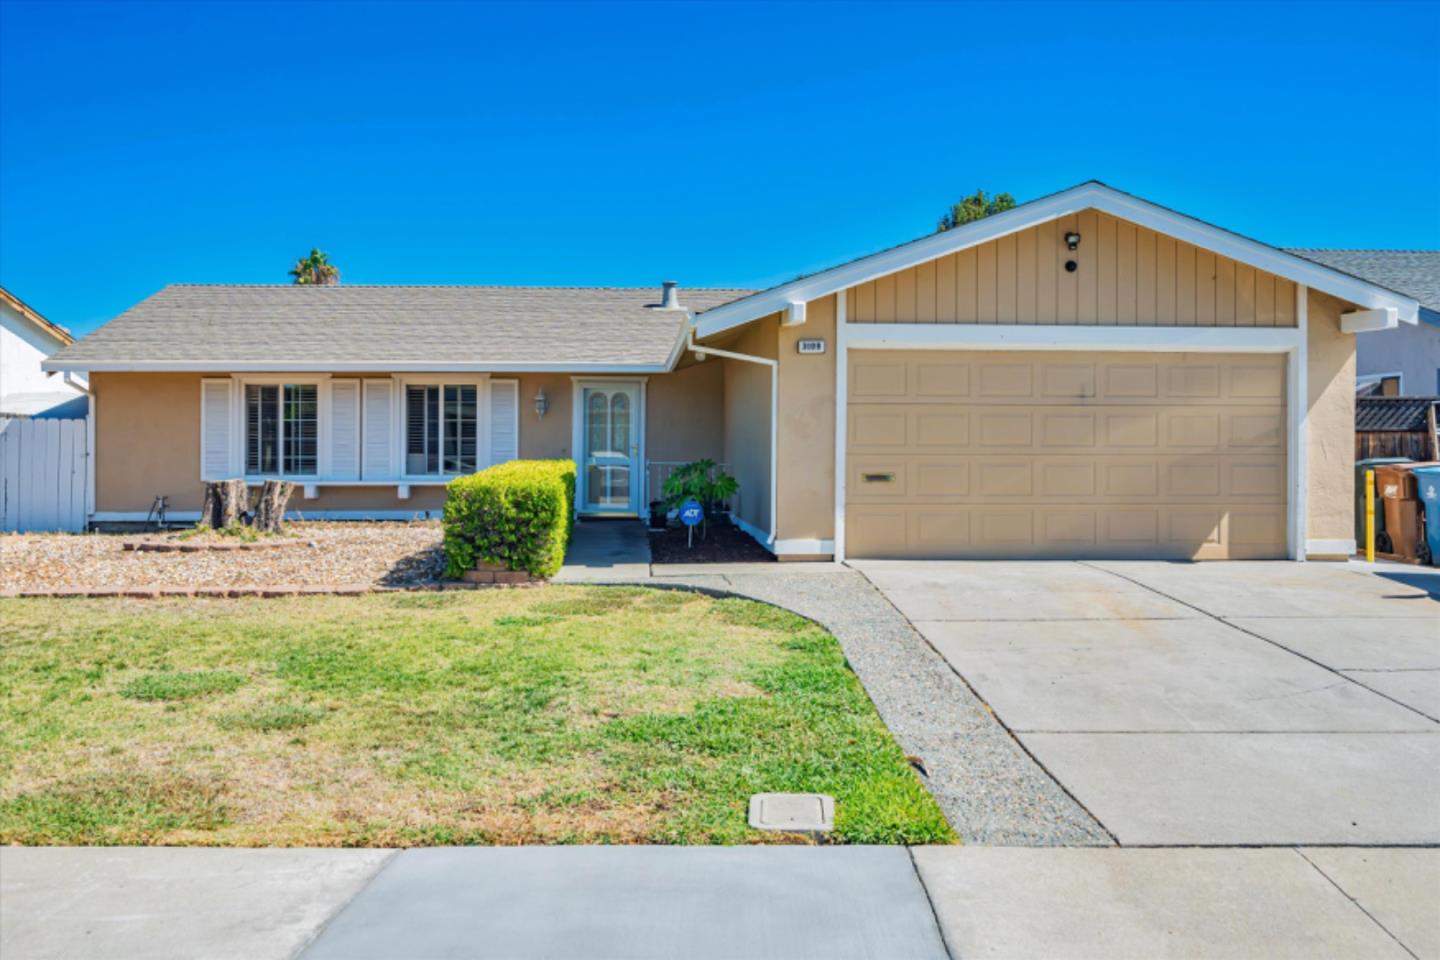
x=277 y=590
x=990 y=789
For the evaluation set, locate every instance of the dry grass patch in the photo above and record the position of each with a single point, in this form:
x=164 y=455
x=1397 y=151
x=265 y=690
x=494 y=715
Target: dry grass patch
x=565 y=714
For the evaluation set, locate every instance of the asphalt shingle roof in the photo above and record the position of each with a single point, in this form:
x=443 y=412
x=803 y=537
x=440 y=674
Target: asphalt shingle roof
x=1402 y=414
x=1415 y=273
x=394 y=325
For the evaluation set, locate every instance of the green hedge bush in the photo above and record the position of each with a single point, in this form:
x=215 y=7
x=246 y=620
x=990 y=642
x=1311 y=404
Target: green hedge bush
x=517 y=514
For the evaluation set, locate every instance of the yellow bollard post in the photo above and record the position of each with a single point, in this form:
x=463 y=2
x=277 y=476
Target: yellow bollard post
x=1369 y=516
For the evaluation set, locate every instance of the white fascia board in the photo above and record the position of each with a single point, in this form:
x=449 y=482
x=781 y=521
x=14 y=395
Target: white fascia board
x=995 y=336
x=382 y=368
x=1086 y=196
x=1368 y=321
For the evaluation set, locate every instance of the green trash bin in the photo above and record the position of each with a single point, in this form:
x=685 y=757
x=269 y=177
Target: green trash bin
x=1360 y=467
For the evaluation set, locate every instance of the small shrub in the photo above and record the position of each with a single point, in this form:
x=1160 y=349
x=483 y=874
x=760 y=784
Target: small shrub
x=178 y=685
x=517 y=514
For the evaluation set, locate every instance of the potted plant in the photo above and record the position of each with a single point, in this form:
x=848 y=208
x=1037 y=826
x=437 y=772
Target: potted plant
x=701 y=482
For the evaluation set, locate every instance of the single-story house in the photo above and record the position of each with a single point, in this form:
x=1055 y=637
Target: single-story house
x=1085 y=375
x=26 y=390
x=1405 y=361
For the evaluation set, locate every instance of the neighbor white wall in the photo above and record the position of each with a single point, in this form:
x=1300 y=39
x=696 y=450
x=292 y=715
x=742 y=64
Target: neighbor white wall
x=23 y=346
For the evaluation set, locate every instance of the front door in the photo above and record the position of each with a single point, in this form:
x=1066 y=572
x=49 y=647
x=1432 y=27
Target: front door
x=610 y=464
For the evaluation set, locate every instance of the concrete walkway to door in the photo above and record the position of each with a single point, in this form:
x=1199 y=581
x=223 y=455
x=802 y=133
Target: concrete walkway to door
x=1205 y=704
x=606 y=551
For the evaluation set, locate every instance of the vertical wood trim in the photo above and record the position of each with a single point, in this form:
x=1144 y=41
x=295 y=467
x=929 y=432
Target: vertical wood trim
x=885 y=299
x=987 y=281
x=1145 y=280
x=1048 y=237
x=1184 y=284
x=1224 y=292
x=945 y=289
x=1027 y=275
x=1127 y=292
x=1107 y=271
x=1285 y=300
x=967 y=275
x=1006 y=278
x=1264 y=300
x=1088 y=272
x=1244 y=295
x=925 y=294
x=1204 y=288
x=906 y=284
x=865 y=302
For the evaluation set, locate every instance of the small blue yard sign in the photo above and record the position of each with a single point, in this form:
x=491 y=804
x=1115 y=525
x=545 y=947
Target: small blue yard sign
x=691 y=513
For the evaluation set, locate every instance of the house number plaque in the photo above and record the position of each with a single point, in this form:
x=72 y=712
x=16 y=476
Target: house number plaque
x=811 y=346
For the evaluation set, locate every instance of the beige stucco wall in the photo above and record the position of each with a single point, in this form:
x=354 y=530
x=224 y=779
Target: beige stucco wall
x=1330 y=421
x=747 y=419
x=147 y=437
x=805 y=484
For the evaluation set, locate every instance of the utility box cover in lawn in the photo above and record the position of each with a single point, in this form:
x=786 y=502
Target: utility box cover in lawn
x=793 y=812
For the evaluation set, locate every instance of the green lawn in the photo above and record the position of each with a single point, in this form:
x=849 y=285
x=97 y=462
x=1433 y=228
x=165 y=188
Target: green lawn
x=552 y=715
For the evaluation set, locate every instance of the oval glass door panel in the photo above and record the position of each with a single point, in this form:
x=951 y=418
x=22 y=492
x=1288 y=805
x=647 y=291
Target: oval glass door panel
x=611 y=452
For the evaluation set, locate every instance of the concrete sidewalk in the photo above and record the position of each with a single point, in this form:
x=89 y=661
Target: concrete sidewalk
x=752 y=902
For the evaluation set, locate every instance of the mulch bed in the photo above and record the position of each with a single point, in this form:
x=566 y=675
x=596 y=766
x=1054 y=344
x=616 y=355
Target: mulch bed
x=723 y=543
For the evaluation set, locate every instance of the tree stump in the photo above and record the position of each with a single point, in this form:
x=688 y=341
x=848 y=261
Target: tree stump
x=270 y=507
x=225 y=501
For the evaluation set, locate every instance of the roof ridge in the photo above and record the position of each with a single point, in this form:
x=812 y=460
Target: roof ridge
x=1364 y=249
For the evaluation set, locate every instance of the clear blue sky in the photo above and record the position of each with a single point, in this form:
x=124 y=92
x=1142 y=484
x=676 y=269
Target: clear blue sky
x=717 y=145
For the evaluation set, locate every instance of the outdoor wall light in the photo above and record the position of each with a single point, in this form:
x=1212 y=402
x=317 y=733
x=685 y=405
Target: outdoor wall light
x=542 y=403
x=1072 y=240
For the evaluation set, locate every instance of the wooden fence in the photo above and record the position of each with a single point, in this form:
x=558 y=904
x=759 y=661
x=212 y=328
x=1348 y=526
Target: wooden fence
x=44 y=475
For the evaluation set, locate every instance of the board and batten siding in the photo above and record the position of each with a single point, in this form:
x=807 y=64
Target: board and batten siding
x=1126 y=275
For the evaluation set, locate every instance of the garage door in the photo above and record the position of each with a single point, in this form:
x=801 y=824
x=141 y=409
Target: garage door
x=1055 y=455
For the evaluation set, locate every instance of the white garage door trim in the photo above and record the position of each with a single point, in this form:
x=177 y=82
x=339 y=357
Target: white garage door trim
x=911 y=336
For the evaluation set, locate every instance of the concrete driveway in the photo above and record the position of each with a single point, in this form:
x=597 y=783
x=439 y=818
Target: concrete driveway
x=1205 y=704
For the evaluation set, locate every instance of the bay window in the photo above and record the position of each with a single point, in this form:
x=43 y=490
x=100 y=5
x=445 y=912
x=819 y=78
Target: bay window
x=441 y=429
x=281 y=429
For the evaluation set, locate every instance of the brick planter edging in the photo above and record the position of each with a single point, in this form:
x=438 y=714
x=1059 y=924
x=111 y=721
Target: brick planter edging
x=280 y=590
x=487 y=573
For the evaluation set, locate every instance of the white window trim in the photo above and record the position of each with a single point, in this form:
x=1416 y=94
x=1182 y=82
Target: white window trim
x=639 y=491
x=321 y=382
x=398 y=439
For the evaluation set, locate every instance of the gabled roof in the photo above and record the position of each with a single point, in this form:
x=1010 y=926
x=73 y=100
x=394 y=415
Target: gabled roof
x=238 y=328
x=1399 y=414
x=31 y=314
x=1091 y=195
x=1415 y=273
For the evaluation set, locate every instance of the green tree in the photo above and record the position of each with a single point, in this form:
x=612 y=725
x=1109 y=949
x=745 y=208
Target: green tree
x=316 y=270
x=974 y=207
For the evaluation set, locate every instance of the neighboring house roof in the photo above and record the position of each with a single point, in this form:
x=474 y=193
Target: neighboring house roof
x=29 y=313
x=1415 y=273
x=355 y=327
x=1090 y=195
x=1398 y=414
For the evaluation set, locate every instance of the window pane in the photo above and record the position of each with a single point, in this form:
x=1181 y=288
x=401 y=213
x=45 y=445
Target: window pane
x=302 y=411
x=422 y=430
x=460 y=430
x=620 y=424
x=595 y=424
x=262 y=430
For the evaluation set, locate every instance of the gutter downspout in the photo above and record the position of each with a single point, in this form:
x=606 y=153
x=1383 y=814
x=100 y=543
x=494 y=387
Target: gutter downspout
x=774 y=366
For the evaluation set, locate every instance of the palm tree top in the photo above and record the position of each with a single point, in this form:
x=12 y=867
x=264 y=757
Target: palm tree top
x=315 y=270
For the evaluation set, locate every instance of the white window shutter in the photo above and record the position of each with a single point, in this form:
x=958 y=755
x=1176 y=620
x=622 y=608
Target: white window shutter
x=345 y=429
x=504 y=420
x=216 y=428
x=377 y=458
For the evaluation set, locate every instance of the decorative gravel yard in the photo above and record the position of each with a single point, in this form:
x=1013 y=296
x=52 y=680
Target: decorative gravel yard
x=553 y=715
